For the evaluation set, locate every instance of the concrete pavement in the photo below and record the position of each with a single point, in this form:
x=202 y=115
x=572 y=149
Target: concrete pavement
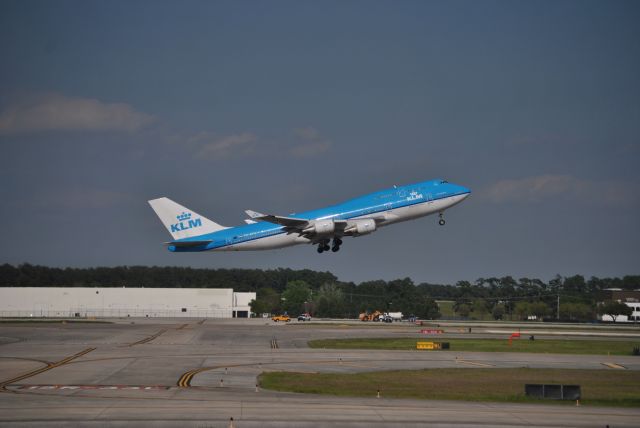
x=169 y=372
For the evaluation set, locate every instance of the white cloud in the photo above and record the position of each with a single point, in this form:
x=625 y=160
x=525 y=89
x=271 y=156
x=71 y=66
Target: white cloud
x=547 y=187
x=533 y=189
x=310 y=150
x=217 y=147
x=307 y=143
x=313 y=143
x=56 y=112
x=308 y=133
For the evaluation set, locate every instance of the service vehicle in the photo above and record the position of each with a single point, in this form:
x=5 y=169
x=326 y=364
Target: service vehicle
x=373 y=316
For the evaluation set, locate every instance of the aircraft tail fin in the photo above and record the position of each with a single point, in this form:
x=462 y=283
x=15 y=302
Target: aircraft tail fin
x=182 y=222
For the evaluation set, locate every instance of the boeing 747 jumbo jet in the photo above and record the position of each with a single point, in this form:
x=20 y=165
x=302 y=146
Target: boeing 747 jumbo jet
x=324 y=227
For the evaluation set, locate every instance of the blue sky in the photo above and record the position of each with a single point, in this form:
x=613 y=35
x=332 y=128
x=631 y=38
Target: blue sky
x=293 y=105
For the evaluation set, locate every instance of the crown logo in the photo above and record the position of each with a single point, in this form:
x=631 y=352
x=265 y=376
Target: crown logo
x=184 y=216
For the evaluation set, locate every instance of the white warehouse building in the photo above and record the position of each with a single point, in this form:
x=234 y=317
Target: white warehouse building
x=634 y=317
x=123 y=302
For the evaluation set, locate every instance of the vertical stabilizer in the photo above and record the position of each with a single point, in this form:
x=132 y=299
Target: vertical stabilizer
x=182 y=222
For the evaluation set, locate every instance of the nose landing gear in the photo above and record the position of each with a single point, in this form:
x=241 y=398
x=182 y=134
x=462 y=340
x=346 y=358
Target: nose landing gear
x=441 y=222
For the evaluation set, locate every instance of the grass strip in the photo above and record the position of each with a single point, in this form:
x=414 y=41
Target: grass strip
x=549 y=346
x=599 y=387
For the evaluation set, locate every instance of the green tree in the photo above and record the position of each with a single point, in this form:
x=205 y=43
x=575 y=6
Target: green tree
x=266 y=301
x=498 y=311
x=428 y=310
x=576 y=312
x=539 y=309
x=329 y=301
x=295 y=294
x=479 y=309
x=574 y=284
x=614 y=309
x=463 y=310
x=522 y=310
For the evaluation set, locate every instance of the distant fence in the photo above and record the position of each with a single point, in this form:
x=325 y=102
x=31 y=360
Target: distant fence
x=118 y=313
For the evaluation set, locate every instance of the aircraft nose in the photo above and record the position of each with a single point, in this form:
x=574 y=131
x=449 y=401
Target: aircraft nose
x=464 y=191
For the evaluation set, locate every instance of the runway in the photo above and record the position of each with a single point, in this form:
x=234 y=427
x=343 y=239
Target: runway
x=202 y=373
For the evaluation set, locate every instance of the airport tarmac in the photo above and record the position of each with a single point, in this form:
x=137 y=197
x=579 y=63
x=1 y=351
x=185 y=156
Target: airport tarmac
x=170 y=372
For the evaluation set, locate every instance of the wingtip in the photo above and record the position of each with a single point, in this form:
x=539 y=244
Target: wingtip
x=253 y=214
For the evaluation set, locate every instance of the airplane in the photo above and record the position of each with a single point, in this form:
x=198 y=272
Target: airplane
x=325 y=227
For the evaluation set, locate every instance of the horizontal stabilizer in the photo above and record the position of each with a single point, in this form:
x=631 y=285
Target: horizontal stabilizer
x=253 y=214
x=188 y=244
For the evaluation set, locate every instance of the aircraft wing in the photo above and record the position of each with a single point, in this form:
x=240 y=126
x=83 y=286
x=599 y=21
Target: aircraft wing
x=290 y=222
x=301 y=226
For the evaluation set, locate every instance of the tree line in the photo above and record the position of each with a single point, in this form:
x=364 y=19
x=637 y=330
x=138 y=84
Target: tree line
x=323 y=294
x=27 y=275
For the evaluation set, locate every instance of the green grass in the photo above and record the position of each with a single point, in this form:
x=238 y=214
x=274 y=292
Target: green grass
x=599 y=387
x=446 y=308
x=550 y=346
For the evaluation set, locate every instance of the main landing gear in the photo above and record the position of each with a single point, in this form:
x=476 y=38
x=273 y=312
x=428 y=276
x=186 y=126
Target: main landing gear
x=324 y=245
x=441 y=222
x=336 y=245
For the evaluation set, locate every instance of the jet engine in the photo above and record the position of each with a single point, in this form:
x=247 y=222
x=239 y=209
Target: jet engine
x=321 y=227
x=361 y=227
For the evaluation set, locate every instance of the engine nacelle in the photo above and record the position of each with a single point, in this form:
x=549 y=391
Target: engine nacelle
x=322 y=227
x=362 y=227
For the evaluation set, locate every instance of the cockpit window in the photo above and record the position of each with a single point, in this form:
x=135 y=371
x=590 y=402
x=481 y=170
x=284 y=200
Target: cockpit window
x=444 y=182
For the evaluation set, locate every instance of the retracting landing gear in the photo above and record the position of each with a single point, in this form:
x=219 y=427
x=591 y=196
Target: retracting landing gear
x=336 y=244
x=324 y=245
x=441 y=222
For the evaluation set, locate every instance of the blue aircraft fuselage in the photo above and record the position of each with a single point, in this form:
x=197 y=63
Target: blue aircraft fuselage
x=355 y=217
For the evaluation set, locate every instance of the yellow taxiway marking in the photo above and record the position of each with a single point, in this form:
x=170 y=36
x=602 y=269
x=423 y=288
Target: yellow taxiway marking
x=44 y=369
x=473 y=363
x=185 y=379
x=614 y=366
x=147 y=339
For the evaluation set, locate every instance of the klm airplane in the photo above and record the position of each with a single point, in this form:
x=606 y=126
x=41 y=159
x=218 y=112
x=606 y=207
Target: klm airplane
x=325 y=227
